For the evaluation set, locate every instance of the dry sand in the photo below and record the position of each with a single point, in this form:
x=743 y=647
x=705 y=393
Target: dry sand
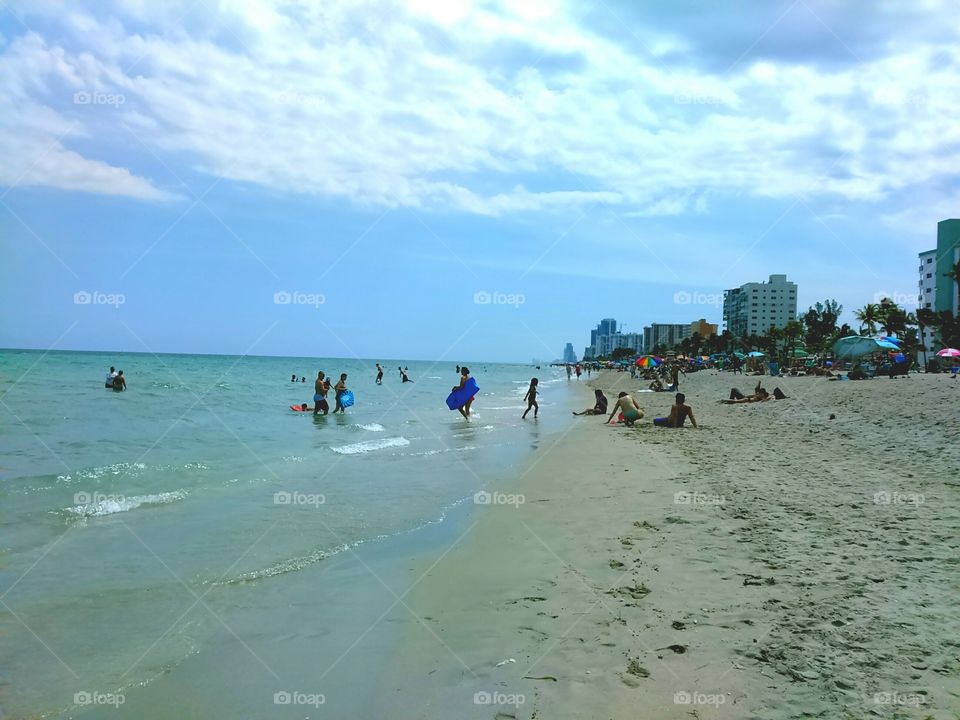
x=808 y=567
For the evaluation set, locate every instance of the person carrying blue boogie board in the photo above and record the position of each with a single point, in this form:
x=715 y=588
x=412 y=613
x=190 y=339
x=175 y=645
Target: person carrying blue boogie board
x=461 y=396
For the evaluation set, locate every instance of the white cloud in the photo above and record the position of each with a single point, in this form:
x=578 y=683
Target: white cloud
x=33 y=134
x=466 y=106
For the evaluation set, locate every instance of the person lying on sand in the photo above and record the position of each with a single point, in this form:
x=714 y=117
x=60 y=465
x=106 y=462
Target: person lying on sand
x=657 y=386
x=629 y=407
x=678 y=414
x=759 y=395
x=600 y=408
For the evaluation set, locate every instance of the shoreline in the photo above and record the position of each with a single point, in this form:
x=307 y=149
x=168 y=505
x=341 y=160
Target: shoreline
x=739 y=570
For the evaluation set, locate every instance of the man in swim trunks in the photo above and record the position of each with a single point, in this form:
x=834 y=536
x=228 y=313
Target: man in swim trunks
x=678 y=414
x=320 y=388
x=110 y=377
x=379 y=374
x=629 y=407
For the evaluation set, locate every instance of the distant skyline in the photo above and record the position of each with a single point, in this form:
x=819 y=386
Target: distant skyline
x=457 y=180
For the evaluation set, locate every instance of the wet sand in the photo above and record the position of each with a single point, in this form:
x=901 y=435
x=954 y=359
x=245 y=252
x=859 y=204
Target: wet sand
x=775 y=563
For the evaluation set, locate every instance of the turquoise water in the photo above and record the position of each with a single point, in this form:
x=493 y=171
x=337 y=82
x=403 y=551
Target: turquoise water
x=198 y=488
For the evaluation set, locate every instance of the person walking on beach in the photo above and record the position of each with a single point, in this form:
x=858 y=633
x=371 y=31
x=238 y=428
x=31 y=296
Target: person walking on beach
x=108 y=383
x=320 y=389
x=578 y=371
x=379 y=374
x=340 y=388
x=531 y=399
x=119 y=382
x=675 y=377
x=679 y=412
x=569 y=372
x=629 y=407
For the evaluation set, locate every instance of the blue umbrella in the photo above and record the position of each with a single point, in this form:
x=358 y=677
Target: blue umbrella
x=854 y=346
x=755 y=353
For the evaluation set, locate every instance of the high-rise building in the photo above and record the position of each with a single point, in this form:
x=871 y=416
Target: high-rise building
x=664 y=335
x=704 y=329
x=600 y=339
x=947 y=294
x=928 y=296
x=754 y=308
x=569 y=356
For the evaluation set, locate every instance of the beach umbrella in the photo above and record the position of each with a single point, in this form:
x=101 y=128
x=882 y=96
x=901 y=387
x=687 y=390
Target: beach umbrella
x=740 y=355
x=856 y=345
x=949 y=352
x=755 y=353
x=647 y=361
x=890 y=339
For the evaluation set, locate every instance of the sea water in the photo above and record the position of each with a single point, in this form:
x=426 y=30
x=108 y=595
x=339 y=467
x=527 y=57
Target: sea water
x=189 y=517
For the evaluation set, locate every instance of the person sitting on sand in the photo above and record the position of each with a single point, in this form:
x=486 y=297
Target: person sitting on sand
x=657 y=385
x=600 y=408
x=629 y=407
x=678 y=414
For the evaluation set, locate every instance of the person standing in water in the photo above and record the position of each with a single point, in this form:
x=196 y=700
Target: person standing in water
x=569 y=372
x=320 y=388
x=108 y=383
x=403 y=375
x=340 y=388
x=531 y=399
x=119 y=382
x=379 y=374
x=578 y=371
x=464 y=376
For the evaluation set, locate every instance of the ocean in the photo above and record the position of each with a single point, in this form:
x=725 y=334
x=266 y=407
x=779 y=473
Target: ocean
x=192 y=543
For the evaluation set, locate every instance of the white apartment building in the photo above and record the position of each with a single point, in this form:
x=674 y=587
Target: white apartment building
x=754 y=308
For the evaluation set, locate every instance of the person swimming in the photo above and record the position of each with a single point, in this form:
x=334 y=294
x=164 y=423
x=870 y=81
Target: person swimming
x=678 y=414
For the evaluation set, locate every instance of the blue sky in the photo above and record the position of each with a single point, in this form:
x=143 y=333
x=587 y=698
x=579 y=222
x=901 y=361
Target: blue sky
x=173 y=172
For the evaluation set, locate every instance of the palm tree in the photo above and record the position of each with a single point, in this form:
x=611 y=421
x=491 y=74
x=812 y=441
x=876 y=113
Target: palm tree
x=869 y=316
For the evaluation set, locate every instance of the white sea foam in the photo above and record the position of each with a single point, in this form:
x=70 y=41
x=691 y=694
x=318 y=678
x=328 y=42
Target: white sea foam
x=370 y=446
x=111 y=504
x=372 y=427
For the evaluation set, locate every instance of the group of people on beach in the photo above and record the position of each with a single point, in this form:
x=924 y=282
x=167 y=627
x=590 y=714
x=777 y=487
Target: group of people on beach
x=115 y=380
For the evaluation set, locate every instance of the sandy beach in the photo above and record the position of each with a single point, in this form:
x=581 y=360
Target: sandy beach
x=775 y=563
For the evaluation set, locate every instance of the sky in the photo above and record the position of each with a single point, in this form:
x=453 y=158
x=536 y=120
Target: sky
x=458 y=180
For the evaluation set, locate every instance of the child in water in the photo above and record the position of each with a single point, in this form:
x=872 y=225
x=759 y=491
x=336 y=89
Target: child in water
x=531 y=398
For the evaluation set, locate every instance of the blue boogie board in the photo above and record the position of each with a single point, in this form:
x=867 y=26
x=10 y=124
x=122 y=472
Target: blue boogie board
x=346 y=400
x=459 y=397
